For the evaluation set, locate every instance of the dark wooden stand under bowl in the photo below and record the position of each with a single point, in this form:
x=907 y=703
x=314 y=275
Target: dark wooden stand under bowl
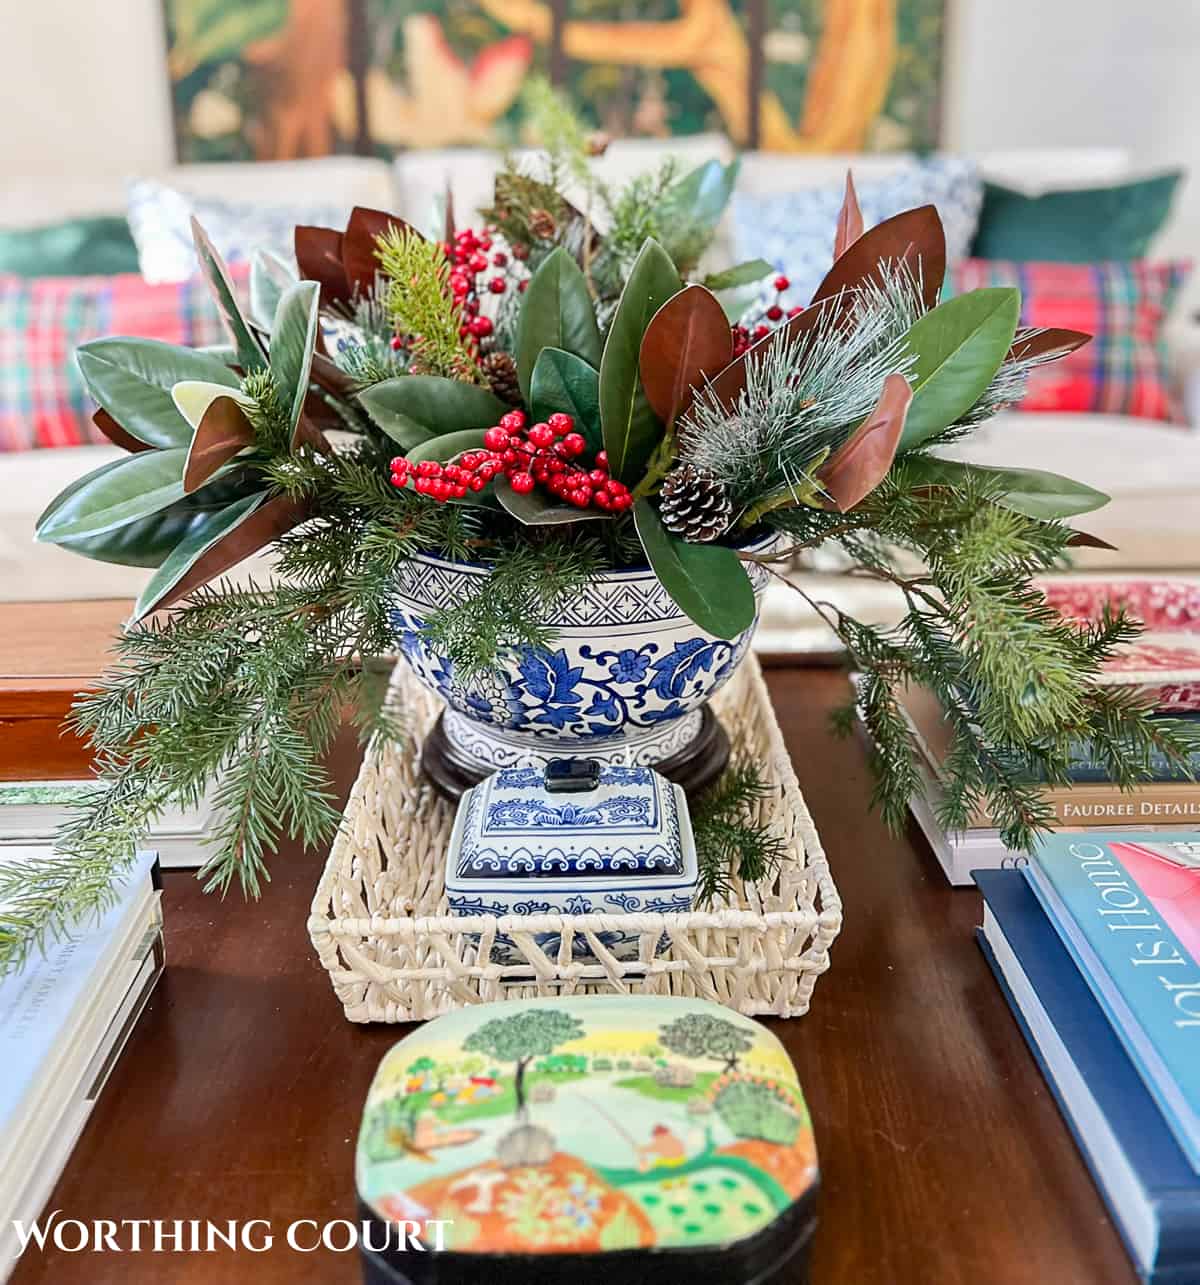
x=696 y=767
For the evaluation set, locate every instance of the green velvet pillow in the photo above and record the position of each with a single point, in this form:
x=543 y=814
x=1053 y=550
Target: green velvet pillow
x=98 y=246
x=1081 y=225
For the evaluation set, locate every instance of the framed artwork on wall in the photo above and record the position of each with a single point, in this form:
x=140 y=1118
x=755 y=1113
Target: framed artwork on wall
x=276 y=79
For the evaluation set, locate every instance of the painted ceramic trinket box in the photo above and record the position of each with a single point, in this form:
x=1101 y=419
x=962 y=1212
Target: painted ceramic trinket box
x=574 y=838
x=593 y=1139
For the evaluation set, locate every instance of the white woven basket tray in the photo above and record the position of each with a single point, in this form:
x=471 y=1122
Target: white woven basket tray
x=379 y=921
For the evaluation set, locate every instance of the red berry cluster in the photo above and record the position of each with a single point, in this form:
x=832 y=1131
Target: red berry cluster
x=744 y=336
x=544 y=455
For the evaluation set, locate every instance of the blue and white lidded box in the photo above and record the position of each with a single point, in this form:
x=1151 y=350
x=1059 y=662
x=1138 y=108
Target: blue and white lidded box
x=574 y=838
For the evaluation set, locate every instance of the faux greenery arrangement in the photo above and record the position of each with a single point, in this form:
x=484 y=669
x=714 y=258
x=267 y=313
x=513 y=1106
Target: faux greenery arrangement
x=552 y=396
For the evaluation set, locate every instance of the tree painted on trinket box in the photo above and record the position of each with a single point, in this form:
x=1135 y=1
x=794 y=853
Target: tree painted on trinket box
x=521 y=1038
x=698 y=1035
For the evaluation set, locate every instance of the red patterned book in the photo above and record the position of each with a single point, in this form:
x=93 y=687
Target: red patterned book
x=1165 y=661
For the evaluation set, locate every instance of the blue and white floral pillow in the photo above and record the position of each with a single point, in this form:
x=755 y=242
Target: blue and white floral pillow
x=795 y=230
x=160 y=220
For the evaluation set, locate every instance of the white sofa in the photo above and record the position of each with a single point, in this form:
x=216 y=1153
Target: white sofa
x=1152 y=471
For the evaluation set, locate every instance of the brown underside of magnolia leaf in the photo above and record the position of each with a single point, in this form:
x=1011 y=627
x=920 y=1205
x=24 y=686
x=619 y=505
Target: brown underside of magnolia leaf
x=850 y=220
x=117 y=435
x=1085 y=540
x=687 y=340
x=308 y=434
x=365 y=228
x=1031 y=343
x=327 y=374
x=319 y=258
x=222 y=432
x=262 y=527
x=915 y=238
x=862 y=463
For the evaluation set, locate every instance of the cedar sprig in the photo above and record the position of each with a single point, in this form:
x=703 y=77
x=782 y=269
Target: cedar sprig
x=732 y=842
x=421 y=305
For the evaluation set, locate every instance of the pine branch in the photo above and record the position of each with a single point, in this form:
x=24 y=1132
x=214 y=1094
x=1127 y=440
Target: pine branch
x=730 y=841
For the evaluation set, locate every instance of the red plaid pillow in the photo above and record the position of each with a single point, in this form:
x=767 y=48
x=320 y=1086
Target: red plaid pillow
x=1124 y=370
x=44 y=319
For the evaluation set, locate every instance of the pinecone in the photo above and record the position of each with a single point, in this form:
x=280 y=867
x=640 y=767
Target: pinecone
x=695 y=506
x=500 y=371
x=542 y=224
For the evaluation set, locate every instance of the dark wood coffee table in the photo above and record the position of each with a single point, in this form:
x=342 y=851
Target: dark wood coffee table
x=943 y=1157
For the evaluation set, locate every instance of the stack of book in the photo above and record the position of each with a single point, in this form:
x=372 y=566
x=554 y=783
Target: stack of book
x=31 y=812
x=64 y=1019
x=1163 y=665
x=1167 y=800
x=1096 y=944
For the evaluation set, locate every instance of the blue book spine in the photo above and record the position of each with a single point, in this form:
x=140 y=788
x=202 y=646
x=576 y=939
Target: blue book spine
x=1149 y=1147
x=1128 y=908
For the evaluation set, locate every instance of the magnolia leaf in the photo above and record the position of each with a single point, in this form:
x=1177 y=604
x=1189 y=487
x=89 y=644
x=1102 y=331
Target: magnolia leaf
x=862 y=462
x=631 y=428
x=293 y=341
x=1032 y=343
x=270 y=277
x=563 y=382
x=249 y=350
x=914 y=239
x=741 y=274
x=850 y=220
x=234 y=535
x=132 y=380
x=139 y=485
x=556 y=312
x=319 y=256
x=146 y=541
x=536 y=508
x=690 y=209
x=959 y=347
x=116 y=434
x=193 y=397
x=191 y=547
x=707 y=582
x=360 y=245
x=413 y=408
x=687 y=341
x=327 y=374
x=223 y=432
x=1030 y=491
x=1085 y=540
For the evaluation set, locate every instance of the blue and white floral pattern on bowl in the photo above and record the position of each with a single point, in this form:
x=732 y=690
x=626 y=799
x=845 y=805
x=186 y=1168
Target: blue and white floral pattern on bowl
x=624 y=682
x=623 y=848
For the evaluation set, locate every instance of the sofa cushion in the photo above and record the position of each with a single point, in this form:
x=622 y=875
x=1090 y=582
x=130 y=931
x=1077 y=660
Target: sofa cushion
x=1125 y=370
x=1075 y=225
x=43 y=320
x=99 y=244
x=160 y=218
x=794 y=231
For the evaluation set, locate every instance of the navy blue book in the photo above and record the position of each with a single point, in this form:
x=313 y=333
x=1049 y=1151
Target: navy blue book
x=1146 y=1180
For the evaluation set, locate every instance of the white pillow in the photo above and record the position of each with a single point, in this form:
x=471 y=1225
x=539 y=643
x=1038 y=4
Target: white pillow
x=160 y=220
x=794 y=231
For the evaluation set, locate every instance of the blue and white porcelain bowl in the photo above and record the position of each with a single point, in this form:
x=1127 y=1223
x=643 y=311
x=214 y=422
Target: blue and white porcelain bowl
x=625 y=680
x=622 y=847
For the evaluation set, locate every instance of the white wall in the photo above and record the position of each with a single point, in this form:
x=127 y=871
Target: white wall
x=83 y=86
x=1048 y=73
